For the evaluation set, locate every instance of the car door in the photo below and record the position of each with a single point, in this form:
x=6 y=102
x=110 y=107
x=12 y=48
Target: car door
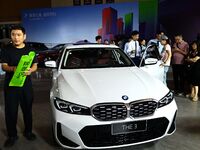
x=151 y=62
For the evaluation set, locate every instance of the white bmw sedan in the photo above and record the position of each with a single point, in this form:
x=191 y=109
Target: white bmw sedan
x=100 y=99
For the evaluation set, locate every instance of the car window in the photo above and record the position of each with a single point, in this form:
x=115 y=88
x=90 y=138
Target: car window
x=95 y=58
x=152 y=52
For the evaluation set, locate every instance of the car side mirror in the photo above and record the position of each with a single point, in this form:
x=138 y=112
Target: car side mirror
x=150 y=61
x=50 y=64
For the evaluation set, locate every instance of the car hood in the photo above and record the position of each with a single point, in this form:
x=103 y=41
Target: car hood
x=90 y=86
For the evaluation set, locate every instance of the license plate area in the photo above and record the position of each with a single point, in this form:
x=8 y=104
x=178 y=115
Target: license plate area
x=128 y=127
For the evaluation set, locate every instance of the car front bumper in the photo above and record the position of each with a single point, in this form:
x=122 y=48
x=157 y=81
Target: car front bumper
x=80 y=131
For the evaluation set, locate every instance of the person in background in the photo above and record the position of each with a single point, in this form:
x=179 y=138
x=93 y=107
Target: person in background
x=15 y=96
x=157 y=41
x=112 y=42
x=106 y=42
x=179 y=53
x=142 y=43
x=98 y=39
x=165 y=56
x=120 y=41
x=2 y=46
x=133 y=49
x=126 y=45
x=193 y=61
x=162 y=32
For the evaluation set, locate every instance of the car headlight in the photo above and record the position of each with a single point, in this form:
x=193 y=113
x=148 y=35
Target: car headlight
x=70 y=107
x=167 y=99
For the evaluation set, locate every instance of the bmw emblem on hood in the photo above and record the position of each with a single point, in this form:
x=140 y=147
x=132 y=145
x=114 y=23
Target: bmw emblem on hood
x=125 y=97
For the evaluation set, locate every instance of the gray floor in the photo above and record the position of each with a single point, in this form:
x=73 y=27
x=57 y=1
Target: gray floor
x=186 y=137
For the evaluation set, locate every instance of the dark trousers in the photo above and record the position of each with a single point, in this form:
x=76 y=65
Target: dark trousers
x=179 y=72
x=15 y=96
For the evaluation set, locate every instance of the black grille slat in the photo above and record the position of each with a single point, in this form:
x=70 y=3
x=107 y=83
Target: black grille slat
x=107 y=112
x=142 y=108
x=116 y=111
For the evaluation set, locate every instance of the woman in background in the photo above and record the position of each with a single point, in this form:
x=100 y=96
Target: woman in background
x=193 y=61
x=165 y=56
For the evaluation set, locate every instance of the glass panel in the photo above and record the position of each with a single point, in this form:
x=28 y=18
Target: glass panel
x=95 y=58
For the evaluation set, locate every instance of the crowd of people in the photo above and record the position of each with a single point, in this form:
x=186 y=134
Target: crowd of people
x=183 y=57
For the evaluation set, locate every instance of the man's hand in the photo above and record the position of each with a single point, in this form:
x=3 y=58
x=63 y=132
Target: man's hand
x=27 y=73
x=7 y=68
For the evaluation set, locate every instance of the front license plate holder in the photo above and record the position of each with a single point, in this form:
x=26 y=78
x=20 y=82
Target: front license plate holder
x=128 y=127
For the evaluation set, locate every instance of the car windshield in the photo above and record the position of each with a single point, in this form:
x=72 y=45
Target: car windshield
x=95 y=58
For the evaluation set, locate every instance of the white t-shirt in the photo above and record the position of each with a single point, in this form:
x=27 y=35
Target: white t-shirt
x=165 y=54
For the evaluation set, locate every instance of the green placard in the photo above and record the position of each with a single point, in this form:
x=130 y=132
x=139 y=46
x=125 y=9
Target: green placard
x=24 y=64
